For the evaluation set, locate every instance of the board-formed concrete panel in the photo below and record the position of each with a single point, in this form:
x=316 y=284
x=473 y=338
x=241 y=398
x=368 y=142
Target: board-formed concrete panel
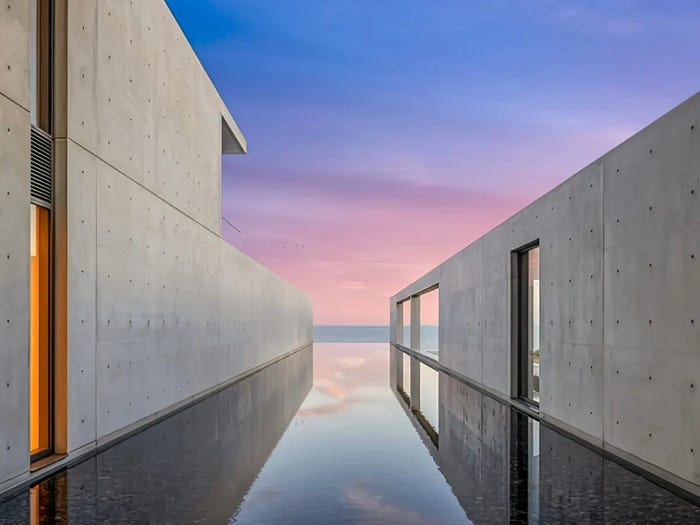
x=14 y=290
x=14 y=51
x=178 y=309
x=145 y=105
x=652 y=304
x=620 y=308
x=82 y=266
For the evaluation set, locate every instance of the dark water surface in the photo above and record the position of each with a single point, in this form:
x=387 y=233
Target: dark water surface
x=275 y=449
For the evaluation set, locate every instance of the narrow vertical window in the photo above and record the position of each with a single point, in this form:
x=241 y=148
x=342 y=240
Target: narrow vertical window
x=40 y=343
x=41 y=174
x=527 y=323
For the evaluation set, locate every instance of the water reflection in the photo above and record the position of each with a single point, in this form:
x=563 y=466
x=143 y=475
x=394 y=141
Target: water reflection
x=429 y=398
x=351 y=455
x=507 y=468
x=348 y=454
x=193 y=467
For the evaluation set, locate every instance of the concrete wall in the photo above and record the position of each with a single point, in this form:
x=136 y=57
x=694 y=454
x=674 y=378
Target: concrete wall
x=14 y=239
x=620 y=276
x=159 y=307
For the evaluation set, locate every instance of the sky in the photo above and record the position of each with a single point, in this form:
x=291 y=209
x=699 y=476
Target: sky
x=384 y=136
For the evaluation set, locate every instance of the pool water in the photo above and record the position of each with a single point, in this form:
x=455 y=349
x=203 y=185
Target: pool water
x=320 y=438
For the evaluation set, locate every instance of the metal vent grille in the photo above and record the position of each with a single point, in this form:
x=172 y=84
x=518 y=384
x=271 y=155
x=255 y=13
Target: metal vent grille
x=42 y=166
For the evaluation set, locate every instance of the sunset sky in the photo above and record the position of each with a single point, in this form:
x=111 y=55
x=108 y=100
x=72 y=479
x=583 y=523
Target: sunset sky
x=385 y=136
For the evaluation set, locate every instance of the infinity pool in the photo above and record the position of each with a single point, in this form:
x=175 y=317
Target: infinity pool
x=320 y=437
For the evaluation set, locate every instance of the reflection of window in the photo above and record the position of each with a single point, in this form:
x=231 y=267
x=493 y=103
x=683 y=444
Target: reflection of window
x=526 y=323
x=40 y=347
x=406 y=373
x=406 y=306
x=524 y=469
x=429 y=322
x=47 y=501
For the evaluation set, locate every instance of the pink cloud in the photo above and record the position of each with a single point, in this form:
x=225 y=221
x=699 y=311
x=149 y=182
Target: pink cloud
x=352 y=250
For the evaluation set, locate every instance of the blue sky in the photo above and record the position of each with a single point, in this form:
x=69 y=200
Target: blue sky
x=384 y=136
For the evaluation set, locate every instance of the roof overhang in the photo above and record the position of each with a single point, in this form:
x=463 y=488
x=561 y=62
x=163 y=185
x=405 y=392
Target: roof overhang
x=232 y=140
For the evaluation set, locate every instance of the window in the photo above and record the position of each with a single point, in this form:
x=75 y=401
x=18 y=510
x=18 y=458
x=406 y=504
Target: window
x=429 y=322
x=526 y=323
x=41 y=174
x=40 y=362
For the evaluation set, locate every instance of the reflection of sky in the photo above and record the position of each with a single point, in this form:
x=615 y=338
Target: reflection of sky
x=350 y=455
x=429 y=395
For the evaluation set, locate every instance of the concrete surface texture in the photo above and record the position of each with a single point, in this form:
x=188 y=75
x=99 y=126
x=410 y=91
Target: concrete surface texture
x=620 y=308
x=14 y=239
x=159 y=307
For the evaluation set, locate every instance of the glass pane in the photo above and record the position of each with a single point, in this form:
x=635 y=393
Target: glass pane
x=39 y=360
x=534 y=324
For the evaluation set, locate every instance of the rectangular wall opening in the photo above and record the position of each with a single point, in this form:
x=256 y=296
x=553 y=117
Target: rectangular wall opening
x=40 y=358
x=406 y=374
x=41 y=355
x=406 y=330
x=429 y=322
x=526 y=323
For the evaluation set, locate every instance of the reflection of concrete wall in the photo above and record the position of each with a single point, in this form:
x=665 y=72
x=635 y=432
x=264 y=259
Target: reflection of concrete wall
x=196 y=465
x=160 y=308
x=620 y=274
x=568 y=483
x=473 y=452
x=569 y=471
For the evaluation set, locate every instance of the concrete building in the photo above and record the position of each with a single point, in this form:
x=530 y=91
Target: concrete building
x=583 y=309
x=119 y=300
